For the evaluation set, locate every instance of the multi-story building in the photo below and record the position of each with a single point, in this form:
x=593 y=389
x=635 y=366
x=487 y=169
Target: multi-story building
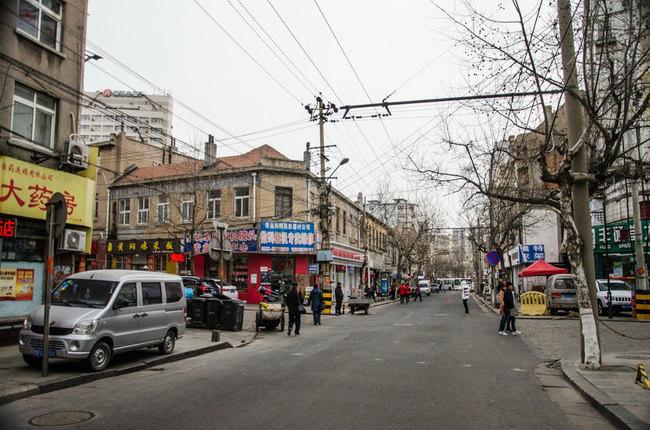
x=41 y=74
x=168 y=218
x=398 y=213
x=143 y=117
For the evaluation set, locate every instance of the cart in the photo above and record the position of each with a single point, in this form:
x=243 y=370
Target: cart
x=270 y=316
x=355 y=304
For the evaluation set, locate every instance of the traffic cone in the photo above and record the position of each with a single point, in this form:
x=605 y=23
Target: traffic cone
x=642 y=377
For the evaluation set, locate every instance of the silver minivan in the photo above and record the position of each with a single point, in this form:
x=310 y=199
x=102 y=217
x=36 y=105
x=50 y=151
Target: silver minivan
x=99 y=313
x=561 y=293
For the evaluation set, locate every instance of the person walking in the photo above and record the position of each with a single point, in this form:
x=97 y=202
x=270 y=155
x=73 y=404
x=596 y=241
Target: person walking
x=409 y=291
x=465 y=295
x=503 y=310
x=316 y=300
x=510 y=326
x=293 y=302
x=373 y=294
x=417 y=293
x=338 y=296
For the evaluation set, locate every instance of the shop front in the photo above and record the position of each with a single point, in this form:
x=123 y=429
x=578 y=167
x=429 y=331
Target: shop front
x=275 y=256
x=158 y=255
x=25 y=189
x=346 y=267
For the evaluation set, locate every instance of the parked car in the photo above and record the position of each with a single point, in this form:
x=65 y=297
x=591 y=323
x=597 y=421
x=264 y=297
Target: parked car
x=621 y=296
x=425 y=286
x=99 y=313
x=435 y=287
x=228 y=290
x=561 y=293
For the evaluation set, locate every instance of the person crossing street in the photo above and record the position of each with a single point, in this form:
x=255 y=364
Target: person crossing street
x=465 y=295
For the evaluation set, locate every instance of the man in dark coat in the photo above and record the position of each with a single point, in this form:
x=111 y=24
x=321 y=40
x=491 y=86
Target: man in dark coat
x=293 y=302
x=338 y=296
x=316 y=300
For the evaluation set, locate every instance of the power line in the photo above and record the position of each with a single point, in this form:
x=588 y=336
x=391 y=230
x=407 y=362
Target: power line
x=246 y=52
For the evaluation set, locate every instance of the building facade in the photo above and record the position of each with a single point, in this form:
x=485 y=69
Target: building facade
x=41 y=70
x=143 y=117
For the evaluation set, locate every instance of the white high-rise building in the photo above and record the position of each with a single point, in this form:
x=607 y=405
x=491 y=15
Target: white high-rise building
x=141 y=116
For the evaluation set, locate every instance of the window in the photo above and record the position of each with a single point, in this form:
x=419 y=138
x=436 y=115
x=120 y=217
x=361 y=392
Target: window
x=41 y=20
x=84 y=127
x=96 y=206
x=241 y=202
x=129 y=293
x=156 y=130
x=156 y=140
x=151 y=293
x=163 y=209
x=143 y=210
x=85 y=117
x=97 y=118
x=156 y=120
x=173 y=291
x=34 y=115
x=283 y=201
x=109 y=128
x=187 y=210
x=214 y=204
x=345 y=222
x=124 y=209
x=338 y=212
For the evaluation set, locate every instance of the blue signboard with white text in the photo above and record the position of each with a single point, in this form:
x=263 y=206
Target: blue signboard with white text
x=531 y=253
x=287 y=236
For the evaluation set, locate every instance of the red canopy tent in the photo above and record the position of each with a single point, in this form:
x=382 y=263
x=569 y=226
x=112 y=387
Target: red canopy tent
x=541 y=268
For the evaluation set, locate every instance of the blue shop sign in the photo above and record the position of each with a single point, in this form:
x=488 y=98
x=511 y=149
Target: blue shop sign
x=287 y=236
x=242 y=240
x=531 y=253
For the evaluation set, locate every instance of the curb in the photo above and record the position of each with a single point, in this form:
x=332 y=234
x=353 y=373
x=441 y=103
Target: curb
x=614 y=412
x=91 y=377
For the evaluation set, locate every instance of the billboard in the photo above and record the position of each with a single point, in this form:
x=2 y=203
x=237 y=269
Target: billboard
x=287 y=237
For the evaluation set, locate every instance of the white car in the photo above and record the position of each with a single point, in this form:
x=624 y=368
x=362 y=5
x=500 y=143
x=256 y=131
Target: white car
x=228 y=290
x=621 y=296
x=425 y=287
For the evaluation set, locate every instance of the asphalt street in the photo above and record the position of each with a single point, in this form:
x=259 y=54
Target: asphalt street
x=421 y=365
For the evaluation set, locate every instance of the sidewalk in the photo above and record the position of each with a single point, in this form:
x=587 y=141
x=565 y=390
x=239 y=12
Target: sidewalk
x=18 y=380
x=611 y=389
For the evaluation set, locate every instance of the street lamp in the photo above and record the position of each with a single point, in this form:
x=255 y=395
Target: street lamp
x=342 y=162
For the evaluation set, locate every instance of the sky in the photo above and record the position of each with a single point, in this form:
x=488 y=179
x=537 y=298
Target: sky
x=401 y=49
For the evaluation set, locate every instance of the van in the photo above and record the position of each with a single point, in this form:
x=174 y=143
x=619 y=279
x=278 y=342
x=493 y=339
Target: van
x=99 y=313
x=561 y=293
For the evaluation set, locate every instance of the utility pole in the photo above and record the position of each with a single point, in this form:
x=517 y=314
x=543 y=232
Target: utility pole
x=580 y=188
x=324 y=198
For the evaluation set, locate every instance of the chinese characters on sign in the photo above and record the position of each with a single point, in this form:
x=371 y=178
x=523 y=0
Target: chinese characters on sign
x=531 y=253
x=25 y=189
x=242 y=240
x=287 y=236
x=344 y=254
x=7 y=227
x=16 y=284
x=620 y=237
x=201 y=243
x=149 y=246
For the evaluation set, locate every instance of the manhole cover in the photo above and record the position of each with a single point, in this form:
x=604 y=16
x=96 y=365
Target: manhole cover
x=61 y=418
x=634 y=357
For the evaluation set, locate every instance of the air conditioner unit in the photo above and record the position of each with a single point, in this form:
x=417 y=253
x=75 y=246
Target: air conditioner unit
x=73 y=240
x=75 y=153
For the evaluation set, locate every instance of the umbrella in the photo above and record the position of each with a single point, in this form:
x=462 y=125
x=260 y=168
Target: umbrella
x=541 y=268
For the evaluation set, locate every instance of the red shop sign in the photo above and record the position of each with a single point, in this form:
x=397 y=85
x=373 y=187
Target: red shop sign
x=7 y=227
x=176 y=258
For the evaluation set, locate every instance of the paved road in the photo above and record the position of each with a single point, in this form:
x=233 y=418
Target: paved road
x=421 y=365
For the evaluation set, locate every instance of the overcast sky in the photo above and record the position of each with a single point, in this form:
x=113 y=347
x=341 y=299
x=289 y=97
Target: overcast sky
x=178 y=48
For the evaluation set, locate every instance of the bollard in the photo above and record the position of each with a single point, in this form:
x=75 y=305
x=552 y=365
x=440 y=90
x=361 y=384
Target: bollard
x=215 y=336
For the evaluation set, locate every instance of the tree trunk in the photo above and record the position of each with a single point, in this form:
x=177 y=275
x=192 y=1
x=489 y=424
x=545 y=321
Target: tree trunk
x=590 y=342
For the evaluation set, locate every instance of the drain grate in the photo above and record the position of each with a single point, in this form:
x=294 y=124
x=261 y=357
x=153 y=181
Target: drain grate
x=61 y=418
x=155 y=369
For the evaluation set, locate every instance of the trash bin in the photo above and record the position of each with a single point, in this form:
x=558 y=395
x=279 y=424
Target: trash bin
x=233 y=315
x=214 y=313
x=197 y=312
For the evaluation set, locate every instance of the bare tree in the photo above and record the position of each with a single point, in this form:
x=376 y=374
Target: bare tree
x=518 y=50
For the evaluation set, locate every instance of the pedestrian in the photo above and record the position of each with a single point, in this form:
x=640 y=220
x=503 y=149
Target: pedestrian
x=392 y=291
x=316 y=300
x=510 y=326
x=465 y=295
x=338 y=296
x=417 y=293
x=373 y=294
x=409 y=291
x=294 y=302
x=503 y=311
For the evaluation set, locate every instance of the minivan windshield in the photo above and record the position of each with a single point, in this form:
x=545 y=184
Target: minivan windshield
x=614 y=286
x=88 y=293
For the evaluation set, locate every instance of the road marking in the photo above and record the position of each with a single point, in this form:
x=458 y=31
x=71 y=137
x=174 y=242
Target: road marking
x=467 y=365
x=379 y=359
x=516 y=369
x=440 y=315
x=297 y=353
x=397 y=341
x=403 y=324
x=421 y=362
x=431 y=343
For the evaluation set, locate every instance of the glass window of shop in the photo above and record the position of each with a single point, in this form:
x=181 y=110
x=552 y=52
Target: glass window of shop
x=28 y=244
x=282 y=272
x=239 y=274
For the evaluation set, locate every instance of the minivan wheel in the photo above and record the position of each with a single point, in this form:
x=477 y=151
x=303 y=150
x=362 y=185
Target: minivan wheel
x=99 y=356
x=31 y=360
x=167 y=346
x=601 y=311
